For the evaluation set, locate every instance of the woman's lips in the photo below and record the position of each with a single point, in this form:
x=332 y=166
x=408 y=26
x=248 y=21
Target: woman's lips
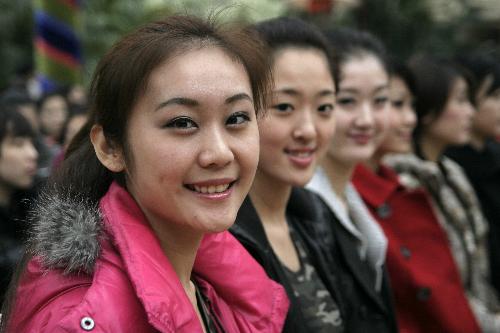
x=361 y=139
x=302 y=158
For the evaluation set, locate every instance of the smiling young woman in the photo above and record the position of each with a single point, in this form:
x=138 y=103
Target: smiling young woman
x=130 y=233
x=361 y=112
x=294 y=135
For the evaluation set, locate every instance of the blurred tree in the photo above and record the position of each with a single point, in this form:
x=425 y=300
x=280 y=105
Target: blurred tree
x=106 y=21
x=437 y=26
x=16 y=26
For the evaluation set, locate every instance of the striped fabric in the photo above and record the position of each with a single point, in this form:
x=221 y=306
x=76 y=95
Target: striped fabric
x=58 y=54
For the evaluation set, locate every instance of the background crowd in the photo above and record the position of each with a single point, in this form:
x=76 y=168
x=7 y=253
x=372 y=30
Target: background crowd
x=375 y=203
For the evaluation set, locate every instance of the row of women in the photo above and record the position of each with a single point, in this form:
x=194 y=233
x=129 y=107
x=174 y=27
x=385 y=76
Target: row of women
x=181 y=204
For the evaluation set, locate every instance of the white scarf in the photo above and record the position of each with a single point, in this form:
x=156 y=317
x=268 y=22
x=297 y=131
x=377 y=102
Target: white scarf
x=357 y=219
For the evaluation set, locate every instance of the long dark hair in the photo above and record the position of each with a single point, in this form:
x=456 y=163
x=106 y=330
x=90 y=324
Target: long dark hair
x=434 y=78
x=121 y=78
x=283 y=32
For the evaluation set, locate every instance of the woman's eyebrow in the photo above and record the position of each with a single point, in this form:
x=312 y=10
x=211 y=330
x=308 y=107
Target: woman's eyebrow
x=177 y=101
x=326 y=92
x=238 y=97
x=192 y=102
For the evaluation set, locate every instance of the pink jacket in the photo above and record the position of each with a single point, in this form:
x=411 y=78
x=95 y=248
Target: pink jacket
x=132 y=286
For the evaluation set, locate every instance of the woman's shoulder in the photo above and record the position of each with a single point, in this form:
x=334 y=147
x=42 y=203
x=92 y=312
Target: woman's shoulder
x=48 y=300
x=74 y=272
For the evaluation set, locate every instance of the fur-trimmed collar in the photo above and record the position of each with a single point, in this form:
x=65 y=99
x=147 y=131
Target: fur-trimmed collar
x=65 y=232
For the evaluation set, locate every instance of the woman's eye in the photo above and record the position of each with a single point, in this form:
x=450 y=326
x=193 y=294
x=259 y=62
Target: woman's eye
x=325 y=108
x=398 y=104
x=382 y=100
x=283 y=107
x=182 y=123
x=346 y=101
x=238 y=118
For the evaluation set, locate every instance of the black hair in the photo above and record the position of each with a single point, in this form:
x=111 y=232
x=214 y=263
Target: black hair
x=351 y=43
x=400 y=70
x=284 y=32
x=13 y=123
x=481 y=66
x=59 y=93
x=434 y=79
x=15 y=98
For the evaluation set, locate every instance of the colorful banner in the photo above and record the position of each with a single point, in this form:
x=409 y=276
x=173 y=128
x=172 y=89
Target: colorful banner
x=58 y=52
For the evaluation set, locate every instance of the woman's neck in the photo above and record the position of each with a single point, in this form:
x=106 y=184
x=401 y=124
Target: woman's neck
x=431 y=149
x=477 y=141
x=374 y=163
x=270 y=198
x=180 y=245
x=339 y=175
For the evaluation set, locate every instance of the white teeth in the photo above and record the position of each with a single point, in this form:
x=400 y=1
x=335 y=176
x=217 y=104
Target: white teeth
x=211 y=189
x=301 y=154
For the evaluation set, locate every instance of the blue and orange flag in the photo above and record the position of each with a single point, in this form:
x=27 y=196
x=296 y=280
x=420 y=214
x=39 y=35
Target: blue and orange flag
x=58 y=51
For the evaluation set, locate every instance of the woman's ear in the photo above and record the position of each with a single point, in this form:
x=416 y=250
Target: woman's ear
x=111 y=157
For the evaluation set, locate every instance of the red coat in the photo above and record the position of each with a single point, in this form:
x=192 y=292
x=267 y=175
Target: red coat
x=134 y=288
x=427 y=288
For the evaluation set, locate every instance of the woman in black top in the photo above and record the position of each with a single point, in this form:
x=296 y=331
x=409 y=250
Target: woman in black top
x=18 y=162
x=480 y=158
x=294 y=134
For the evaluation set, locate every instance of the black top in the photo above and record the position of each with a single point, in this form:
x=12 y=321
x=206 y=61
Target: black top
x=321 y=313
x=210 y=320
x=365 y=309
x=249 y=231
x=12 y=236
x=483 y=171
x=333 y=255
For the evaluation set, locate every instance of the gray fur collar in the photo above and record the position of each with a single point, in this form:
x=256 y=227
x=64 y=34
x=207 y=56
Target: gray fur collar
x=65 y=232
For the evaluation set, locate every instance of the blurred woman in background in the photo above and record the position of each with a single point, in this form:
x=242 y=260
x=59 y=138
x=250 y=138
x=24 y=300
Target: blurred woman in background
x=444 y=114
x=358 y=242
x=18 y=164
x=426 y=299
x=480 y=158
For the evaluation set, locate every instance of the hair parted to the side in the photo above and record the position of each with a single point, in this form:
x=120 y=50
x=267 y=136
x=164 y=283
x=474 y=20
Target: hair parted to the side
x=351 y=43
x=122 y=75
x=483 y=69
x=13 y=123
x=434 y=79
x=283 y=32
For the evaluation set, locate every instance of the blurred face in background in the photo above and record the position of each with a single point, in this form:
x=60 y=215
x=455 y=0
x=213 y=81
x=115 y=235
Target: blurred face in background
x=402 y=119
x=53 y=113
x=362 y=110
x=453 y=125
x=73 y=126
x=18 y=163
x=297 y=128
x=486 y=120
